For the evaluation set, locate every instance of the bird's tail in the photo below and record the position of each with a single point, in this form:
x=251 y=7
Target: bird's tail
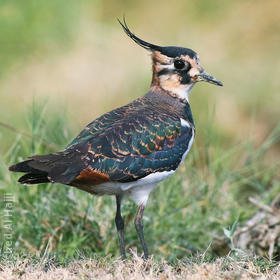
x=32 y=176
x=56 y=167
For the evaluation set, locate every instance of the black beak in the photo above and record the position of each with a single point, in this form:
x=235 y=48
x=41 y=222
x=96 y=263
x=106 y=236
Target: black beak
x=204 y=76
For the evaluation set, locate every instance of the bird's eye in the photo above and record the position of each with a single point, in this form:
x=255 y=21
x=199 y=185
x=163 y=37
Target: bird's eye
x=179 y=64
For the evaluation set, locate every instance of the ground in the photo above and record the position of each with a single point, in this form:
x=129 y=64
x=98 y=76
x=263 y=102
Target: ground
x=136 y=268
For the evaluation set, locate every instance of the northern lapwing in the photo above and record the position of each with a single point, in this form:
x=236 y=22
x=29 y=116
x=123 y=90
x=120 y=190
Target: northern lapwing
x=129 y=150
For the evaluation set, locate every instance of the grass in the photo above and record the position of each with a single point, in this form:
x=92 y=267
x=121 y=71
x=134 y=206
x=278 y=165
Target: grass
x=182 y=217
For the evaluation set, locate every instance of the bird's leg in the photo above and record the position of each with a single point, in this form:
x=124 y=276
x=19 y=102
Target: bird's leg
x=139 y=228
x=120 y=226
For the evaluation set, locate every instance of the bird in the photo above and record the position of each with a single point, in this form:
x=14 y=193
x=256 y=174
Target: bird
x=128 y=151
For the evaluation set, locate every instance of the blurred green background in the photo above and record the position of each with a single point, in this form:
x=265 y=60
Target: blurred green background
x=63 y=63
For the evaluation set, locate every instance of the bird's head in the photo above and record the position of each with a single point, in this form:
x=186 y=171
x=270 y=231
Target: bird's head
x=175 y=69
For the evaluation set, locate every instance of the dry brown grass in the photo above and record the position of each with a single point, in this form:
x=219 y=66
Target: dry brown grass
x=137 y=268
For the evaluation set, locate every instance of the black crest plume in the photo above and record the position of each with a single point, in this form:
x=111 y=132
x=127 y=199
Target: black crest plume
x=170 y=51
x=140 y=42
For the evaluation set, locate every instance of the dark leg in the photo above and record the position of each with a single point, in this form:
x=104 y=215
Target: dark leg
x=120 y=227
x=139 y=228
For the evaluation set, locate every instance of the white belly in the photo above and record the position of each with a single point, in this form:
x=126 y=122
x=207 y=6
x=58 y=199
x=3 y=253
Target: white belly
x=138 y=190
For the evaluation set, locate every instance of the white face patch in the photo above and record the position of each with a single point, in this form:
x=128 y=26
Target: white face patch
x=193 y=72
x=171 y=80
x=183 y=91
x=173 y=84
x=166 y=66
